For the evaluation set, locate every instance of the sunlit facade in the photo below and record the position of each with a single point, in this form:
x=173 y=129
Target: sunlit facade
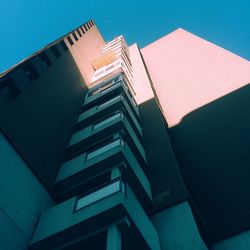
x=109 y=146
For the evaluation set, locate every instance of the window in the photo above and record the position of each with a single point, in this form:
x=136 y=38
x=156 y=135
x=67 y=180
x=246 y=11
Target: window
x=70 y=40
x=88 y=25
x=103 y=149
x=99 y=194
x=63 y=45
x=113 y=117
x=30 y=71
x=9 y=89
x=110 y=101
x=79 y=32
x=82 y=30
x=55 y=51
x=45 y=59
x=75 y=36
x=85 y=27
x=106 y=86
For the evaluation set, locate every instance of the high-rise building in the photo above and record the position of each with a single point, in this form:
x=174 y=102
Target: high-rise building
x=109 y=146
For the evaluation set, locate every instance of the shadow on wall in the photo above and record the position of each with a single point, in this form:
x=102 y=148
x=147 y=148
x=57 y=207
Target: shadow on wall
x=213 y=145
x=164 y=174
x=39 y=104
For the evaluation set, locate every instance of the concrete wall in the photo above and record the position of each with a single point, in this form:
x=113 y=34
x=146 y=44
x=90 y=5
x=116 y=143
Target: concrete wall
x=40 y=120
x=85 y=50
x=204 y=92
x=164 y=174
x=22 y=199
x=239 y=242
x=177 y=229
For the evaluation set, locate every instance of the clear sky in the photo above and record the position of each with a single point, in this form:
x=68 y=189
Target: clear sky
x=28 y=25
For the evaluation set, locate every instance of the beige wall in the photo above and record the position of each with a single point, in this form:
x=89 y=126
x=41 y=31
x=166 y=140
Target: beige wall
x=189 y=72
x=85 y=50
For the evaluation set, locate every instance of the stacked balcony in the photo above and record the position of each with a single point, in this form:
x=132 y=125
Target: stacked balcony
x=103 y=185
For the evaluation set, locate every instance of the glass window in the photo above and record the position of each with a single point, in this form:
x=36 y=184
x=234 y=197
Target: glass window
x=103 y=149
x=109 y=101
x=113 y=117
x=98 y=195
x=108 y=87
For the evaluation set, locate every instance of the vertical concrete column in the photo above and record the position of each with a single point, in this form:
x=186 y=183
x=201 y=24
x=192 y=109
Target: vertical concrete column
x=113 y=238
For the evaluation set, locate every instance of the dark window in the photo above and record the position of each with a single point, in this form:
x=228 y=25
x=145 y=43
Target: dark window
x=9 y=89
x=88 y=25
x=55 y=51
x=74 y=35
x=82 y=30
x=70 y=40
x=30 y=71
x=45 y=59
x=85 y=27
x=92 y=22
x=64 y=46
x=79 y=32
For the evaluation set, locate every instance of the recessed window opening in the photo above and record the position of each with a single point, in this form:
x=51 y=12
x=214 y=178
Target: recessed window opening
x=99 y=194
x=55 y=51
x=85 y=27
x=79 y=32
x=82 y=30
x=110 y=101
x=88 y=25
x=107 y=87
x=107 y=120
x=75 y=36
x=45 y=59
x=9 y=89
x=70 y=40
x=103 y=149
x=64 y=46
x=30 y=71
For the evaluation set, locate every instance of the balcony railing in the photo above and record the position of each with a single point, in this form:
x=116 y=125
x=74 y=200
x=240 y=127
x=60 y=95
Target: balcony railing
x=105 y=127
x=90 y=168
x=105 y=91
x=85 y=221
x=106 y=108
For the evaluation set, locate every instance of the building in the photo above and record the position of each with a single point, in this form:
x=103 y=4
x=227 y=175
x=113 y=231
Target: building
x=109 y=146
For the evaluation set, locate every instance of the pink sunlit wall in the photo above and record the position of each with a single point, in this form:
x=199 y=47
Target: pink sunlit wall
x=189 y=72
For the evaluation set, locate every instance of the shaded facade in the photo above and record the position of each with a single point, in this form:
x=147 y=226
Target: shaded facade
x=117 y=147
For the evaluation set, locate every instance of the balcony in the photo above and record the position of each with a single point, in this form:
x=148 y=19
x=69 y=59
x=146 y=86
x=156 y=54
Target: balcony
x=107 y=126
x=108 y=89
x=107 y=72
x=109 y=217
x=94 y=166
x=107 y=107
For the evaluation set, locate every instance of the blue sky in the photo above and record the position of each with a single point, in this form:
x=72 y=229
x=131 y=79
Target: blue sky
x=28 y=25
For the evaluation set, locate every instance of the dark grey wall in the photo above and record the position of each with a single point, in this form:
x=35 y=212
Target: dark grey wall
x=164 y=174
x=213 y=145
x=38 y=119
x=177 y=229
x=22 y=199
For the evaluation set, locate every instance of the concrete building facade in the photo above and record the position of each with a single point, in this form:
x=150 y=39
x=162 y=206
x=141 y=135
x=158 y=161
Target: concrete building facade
x=110 y=146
